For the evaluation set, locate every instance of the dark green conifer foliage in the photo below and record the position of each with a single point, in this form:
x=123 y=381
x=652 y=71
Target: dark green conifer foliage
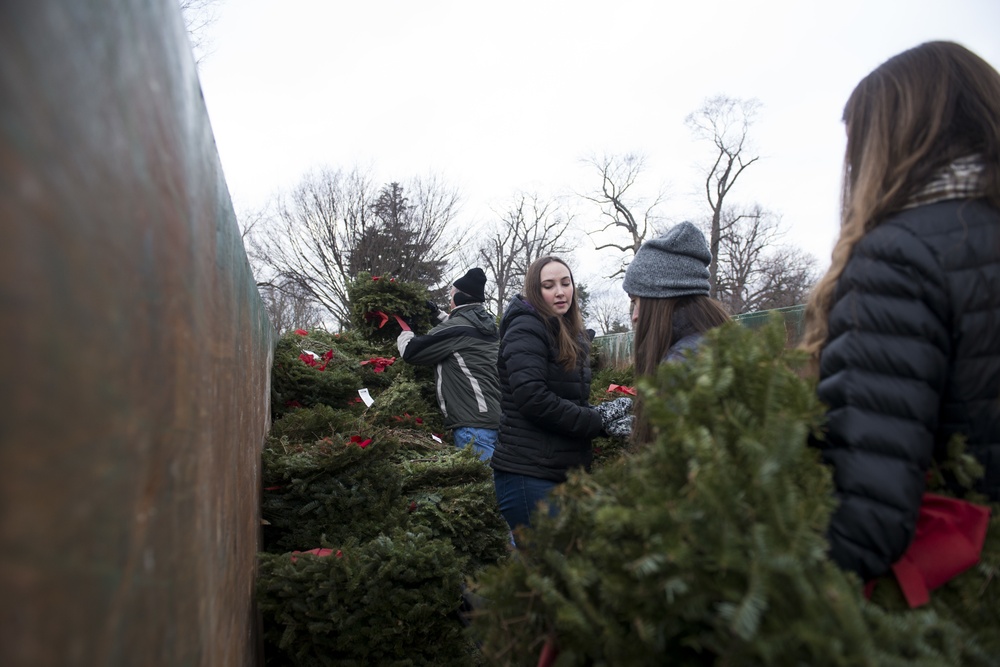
x=328 y=491
x=707 y=546
x=410 y=516
x=391 y=297
x=390 y=600
x=604 y=377
x=295 y=383
x=405 y=397
x=315 y=423
x=452 y=494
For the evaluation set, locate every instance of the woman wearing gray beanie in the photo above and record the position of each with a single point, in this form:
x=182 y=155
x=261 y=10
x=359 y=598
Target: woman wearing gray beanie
x=667 y=283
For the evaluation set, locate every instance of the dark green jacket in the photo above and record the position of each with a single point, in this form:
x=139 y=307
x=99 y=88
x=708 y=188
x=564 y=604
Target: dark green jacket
x=464 y=348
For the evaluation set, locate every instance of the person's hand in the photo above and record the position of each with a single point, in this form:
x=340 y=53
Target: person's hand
x=620 y=429
x=437 y=315
x=612 y=411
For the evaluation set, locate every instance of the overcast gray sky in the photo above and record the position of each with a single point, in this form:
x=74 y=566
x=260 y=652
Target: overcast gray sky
x=499 y=97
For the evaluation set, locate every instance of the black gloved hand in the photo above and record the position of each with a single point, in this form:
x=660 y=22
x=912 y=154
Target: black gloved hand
x=433 y=307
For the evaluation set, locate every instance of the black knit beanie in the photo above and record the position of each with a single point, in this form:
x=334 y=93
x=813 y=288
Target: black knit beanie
x=472 y=283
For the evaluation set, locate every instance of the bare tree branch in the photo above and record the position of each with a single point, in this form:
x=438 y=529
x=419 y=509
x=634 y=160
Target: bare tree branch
x=756 y=270
x=335 y=223
x=199 y=16
x=724 y=122
x=609 y=309
x=529 y=227
x=289 y=307
x=618 y=175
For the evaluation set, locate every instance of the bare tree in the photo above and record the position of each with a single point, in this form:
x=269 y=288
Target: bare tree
x=289 y=307
x=756 y=270
x=253 y=223
x=309 y=239
x=199 y=16
x=725 y=122
x=609 y=310
x=335 y=223
x=626 y=229
x=529 y=227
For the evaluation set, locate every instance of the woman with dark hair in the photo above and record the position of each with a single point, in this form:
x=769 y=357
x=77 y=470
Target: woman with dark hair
x=905 y=325
x=667 y=283
x=546 y=423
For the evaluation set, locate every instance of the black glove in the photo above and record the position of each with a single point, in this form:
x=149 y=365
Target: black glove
x=437 y=315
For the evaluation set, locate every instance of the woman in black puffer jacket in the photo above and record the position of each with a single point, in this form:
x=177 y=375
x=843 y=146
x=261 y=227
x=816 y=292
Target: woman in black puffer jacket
x=546 y=423
x=906 y=323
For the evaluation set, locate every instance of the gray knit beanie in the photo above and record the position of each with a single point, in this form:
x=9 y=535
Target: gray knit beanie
x=676 y=264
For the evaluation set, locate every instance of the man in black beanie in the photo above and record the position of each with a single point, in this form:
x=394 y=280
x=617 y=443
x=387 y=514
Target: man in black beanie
x=464 y=348
x=469 y=288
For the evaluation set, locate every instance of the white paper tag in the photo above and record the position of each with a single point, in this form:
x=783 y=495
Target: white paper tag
x=366 y=397
x=436 y=439
x=314 y=355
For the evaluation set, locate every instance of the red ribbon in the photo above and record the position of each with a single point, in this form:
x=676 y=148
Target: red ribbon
x=549 y=653
x=361 y=442
x=379 y=364
x=318 y=552
x=621 y=389
x=383 y=318
x=948 y=541
x=315 y=552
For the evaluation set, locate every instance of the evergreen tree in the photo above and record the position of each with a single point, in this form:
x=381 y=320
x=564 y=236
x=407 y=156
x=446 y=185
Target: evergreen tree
x=394 y=242
x=388 y=520
x=707 y=546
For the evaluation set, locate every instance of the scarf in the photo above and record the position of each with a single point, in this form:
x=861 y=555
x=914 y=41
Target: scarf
x=962 y=179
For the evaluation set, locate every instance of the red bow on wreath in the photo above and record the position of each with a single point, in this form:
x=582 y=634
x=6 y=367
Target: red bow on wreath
x=380 y=363
x=311 y=359
x=361 y=442
x=620 y=388
x=383 y=318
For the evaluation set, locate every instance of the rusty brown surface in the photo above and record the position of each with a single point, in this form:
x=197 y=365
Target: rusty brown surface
x=134 y=350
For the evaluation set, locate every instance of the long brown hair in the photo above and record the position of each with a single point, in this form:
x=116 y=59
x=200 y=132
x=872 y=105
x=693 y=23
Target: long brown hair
x=913 y=115
x=661 y=323
x=567 y=329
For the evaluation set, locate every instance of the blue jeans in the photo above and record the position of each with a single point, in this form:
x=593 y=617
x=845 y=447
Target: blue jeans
x=484 y=440
x=518 y=495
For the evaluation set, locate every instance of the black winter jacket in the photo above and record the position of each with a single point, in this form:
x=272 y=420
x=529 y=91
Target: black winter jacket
x=547 y=422
x=912 y=357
